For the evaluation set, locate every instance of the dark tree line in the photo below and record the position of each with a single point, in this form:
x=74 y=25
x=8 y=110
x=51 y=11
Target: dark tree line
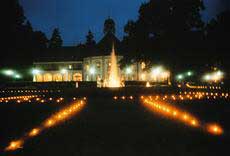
x=173 y=31
x=22 y=44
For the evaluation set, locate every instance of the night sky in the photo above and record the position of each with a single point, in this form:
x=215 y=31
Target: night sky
x=75 y=17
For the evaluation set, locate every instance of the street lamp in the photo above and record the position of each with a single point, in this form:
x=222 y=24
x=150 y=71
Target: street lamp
x=36 y=71
x=92 y=71
x=8 y=72
x=17 y=76
x=189 y=73
x=157 y=71
x=180 y=77
x=214 y=77
x=128 y=70
x=64 y=71
x=207 y=77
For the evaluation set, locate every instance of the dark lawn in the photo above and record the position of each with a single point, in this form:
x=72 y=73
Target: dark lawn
x=108 y=127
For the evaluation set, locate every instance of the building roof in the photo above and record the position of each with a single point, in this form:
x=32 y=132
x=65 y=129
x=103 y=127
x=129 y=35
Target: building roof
x=77 y=53
x=104 y=46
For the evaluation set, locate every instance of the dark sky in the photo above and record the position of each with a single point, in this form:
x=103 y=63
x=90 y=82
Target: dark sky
x=75 y=17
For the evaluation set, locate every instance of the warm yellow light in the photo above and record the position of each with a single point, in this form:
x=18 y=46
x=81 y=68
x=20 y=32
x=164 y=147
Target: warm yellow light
x=185 y=116
x=34 y=132
x=174 y=113
x=14 y=145
x=148 y=84
x=215 y=129
x=194 y=122
x=49 y=123
x=143 y=77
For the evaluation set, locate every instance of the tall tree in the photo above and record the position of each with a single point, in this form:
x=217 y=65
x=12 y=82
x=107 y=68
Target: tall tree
x=90 y=42
x=56 y=39
x=164 y=26
x=218 y=30
x=217 y=42
x=170 y=16
x=19 y=39
x=109 y=26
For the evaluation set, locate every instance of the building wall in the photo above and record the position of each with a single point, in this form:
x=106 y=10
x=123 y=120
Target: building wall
x=98 y=68
x=58 y=71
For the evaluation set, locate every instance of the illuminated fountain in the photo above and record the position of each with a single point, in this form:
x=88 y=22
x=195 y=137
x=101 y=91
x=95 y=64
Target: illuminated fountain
x=114 y=80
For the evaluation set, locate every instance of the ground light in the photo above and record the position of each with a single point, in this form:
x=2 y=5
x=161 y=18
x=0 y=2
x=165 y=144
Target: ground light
x=167 y=110
x=55 y=119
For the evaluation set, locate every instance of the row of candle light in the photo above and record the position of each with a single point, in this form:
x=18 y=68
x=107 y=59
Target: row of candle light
x=17 y=98
x=195 y=96
x=123 y=97
x=203 y=87
x=55 y=119
x=181 y=96
x=32 y=98
x=29 y=91
x=177 y=114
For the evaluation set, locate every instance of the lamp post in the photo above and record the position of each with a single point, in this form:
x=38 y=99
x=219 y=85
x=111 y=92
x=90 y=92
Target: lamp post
x=63 y=72
x=34 y=73
x=180 y=77
x=128 y=72
x=92 y=72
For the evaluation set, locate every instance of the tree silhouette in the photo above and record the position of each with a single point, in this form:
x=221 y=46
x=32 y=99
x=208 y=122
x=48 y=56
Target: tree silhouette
x=165 y=28
x=20 y=42
x=217 y=42
x=109 y=26
x=56 y=39
x=90 y=42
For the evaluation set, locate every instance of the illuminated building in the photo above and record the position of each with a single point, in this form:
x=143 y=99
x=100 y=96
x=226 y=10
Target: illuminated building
x=57 y=71
x=93 y=64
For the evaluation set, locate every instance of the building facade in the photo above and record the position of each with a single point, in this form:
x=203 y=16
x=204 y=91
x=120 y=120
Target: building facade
x=57 y=71
x=97 y=68
x=93 y=64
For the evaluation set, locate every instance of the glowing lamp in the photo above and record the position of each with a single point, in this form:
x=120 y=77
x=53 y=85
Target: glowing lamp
x=214 y=129
x=34 y=132
x=14 y=145
x=128 y=70
x=92 y=71
x=189 y=73
x=64 y=71
x=36 y=71
x=17 y=76
x=8 y=72
x=180 y=77
x=156 y=71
